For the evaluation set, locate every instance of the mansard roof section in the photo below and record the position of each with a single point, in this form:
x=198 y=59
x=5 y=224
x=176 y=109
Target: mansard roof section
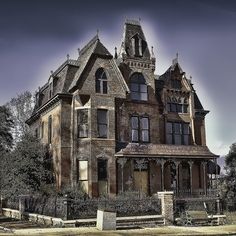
x=164 y=150
x=134 y=42
x=58 y=82
x=93 y=47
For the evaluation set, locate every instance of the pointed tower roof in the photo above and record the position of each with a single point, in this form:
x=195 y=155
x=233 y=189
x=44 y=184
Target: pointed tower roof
x=134 y=42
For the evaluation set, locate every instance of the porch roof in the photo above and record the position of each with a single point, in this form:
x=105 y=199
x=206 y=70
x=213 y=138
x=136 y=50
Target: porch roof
x=165 y=150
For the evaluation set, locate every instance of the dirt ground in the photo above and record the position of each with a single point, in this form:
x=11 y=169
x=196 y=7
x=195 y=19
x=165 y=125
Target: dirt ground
x=162 y=230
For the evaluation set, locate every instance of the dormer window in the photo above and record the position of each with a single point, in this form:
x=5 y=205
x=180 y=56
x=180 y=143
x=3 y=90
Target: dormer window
x=138 y=87
x=177 y=105
x=101 y=81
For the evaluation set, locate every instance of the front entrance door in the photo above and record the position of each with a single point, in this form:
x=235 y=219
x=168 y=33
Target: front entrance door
x=141 y=181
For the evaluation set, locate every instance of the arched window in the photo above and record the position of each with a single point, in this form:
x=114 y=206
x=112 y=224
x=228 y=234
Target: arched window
x=101 y=81
x=138 y=87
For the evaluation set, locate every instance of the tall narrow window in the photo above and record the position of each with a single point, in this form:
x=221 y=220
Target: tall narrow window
x=42 y=129
x=101 y=81
x=102 y=123
x=138 y=87
x=177 y=133
x=134 y=128
x=50 y=129
x=82 y=121
x=139 y=129
x=185 y=128
x=82 y=174
x=102 y=169
x=144 y=129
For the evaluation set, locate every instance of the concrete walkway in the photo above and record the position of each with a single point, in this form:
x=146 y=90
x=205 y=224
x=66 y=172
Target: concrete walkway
x=163 y=230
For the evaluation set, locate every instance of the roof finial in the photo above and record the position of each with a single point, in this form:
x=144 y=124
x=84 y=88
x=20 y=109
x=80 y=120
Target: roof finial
x=78 y=49
x=152 y=52
x=177 y=56
x=116 y=53
x=97 y=32
x=68 y=56
x=51 y=72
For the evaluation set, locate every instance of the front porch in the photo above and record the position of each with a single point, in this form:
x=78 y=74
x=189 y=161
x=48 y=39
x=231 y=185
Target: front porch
x=187 y=176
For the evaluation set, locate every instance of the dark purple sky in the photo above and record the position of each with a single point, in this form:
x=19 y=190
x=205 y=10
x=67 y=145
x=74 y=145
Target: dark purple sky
x=35 y=37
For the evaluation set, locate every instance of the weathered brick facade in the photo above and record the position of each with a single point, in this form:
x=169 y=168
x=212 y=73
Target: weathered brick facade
x=114 y=126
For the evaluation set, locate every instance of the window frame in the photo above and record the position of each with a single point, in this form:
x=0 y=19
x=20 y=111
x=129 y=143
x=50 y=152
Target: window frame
x=105 y=164
x=173 y=134
x=79 y=179
x=99 y=124
x=137 y=80
x=101 y=82
x=140 y=129
x=79 y=124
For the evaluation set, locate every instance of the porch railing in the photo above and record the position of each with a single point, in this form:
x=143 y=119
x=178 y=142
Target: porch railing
x=196 y=193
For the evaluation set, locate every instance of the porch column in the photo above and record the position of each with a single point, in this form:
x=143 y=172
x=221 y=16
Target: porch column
x=191 y=176
x=204 y=176
x=161 y=162
x=177 y=176
x=216 y=175
x=121 y=162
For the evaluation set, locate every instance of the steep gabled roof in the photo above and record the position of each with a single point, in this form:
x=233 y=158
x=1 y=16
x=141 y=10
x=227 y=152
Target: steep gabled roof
x=93 y=47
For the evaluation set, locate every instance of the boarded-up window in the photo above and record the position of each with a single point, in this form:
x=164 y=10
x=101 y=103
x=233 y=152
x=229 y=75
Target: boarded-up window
x=82 y=121
x=82 y=174
x=83 y=170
